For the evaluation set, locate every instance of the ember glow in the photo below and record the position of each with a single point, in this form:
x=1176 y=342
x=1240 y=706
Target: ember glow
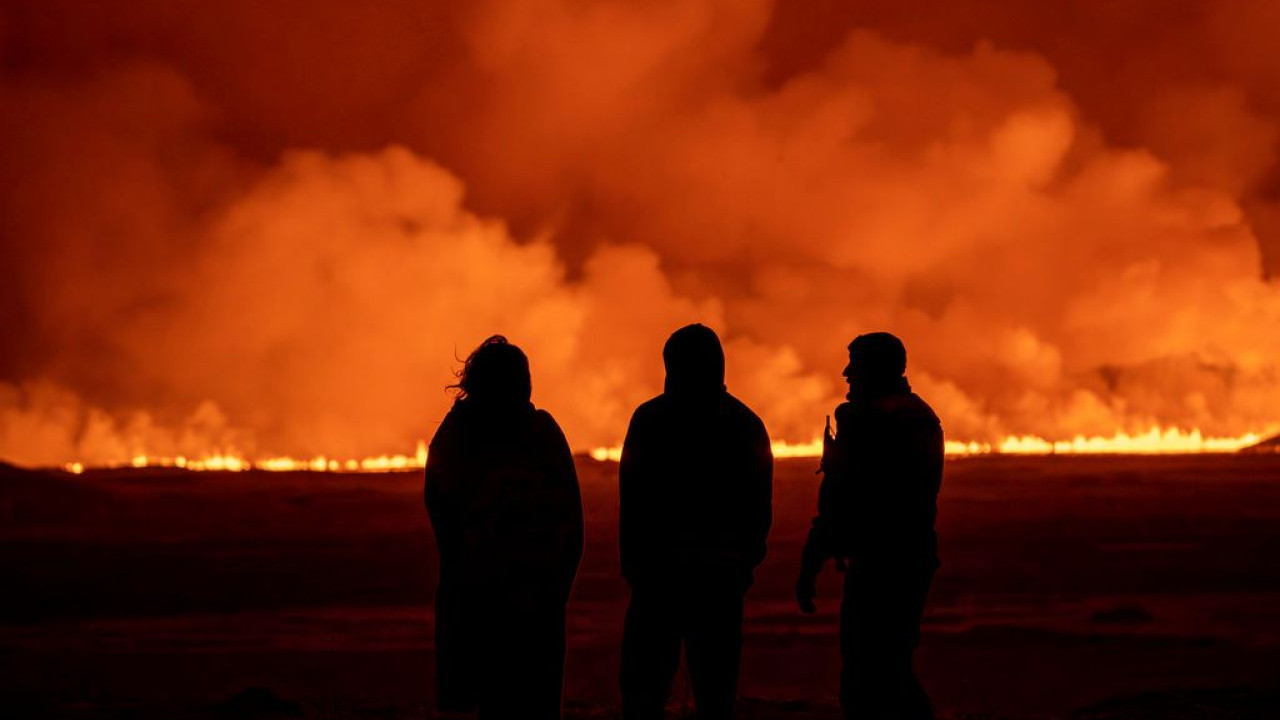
x=1156 y=441
x=235 y=462
x=211 y=243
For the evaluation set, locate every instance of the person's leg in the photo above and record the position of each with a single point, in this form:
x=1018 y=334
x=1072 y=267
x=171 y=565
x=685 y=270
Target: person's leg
x=713 y=646
x=853 y=663
x=545 y=666
x=880 y=629
x=869 y=665
x=528 y=666
x=456 y=646
x=497 y=653
x=915 y=700
x=892 y=691
x=650 y=653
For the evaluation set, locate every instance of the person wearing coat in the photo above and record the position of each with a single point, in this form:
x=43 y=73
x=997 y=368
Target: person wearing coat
x=506 y=510
x=695 y=492
x=876 y=511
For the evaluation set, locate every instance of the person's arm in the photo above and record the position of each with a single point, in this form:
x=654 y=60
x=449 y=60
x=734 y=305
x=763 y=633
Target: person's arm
x=569 y=518
x=816 y=551
x=930 y=482
x=821 y=545
x=631 y=491
x=437 y=476
x=761 y=475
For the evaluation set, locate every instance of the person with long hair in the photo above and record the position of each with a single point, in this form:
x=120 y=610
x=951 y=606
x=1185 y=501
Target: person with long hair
x=506 y=510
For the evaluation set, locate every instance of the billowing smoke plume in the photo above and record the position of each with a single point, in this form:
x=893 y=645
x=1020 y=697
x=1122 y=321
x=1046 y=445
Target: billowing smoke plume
x=275 y=229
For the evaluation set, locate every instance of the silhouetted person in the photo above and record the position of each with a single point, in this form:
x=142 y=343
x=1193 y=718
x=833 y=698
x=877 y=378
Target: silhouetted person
x=696 y=483
x=505 y=506
x=876 y=511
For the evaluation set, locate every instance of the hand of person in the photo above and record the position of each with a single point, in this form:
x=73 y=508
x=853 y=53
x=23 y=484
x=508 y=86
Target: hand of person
x=806 y=591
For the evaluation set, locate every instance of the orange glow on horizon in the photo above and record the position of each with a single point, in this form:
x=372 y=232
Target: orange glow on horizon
x=1156 y=441
x=235 y=462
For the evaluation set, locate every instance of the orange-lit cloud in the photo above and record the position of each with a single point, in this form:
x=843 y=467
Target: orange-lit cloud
x=277 y=228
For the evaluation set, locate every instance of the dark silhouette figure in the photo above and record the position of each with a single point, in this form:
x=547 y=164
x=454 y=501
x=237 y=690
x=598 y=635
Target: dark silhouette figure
x=876 y=511
x=696 y=484
x=505 y=506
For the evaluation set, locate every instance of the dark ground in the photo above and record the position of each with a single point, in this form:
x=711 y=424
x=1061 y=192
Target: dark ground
x=1093 y=588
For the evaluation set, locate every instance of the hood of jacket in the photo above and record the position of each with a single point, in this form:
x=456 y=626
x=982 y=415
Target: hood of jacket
x=694 y=360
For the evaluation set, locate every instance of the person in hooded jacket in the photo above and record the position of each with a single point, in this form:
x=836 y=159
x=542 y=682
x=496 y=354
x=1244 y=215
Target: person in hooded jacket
x=695 y=485
x=876 y=510
x=506 y=510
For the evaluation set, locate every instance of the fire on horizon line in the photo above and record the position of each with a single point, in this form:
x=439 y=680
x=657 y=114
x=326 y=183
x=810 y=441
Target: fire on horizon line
x=1156 y=441
x=217 y=254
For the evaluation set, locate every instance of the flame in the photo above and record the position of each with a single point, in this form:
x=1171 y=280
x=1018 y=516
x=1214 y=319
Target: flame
x=606 y=454
x=235 y=462
x=1156 y=441
x=784 y=449
x=781 y=449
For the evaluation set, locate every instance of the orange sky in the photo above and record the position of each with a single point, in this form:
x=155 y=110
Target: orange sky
x=275 y=226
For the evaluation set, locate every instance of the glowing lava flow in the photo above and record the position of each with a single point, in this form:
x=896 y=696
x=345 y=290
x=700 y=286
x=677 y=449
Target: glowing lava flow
x=781 y=449
x=235 y=462
x=1156 y=441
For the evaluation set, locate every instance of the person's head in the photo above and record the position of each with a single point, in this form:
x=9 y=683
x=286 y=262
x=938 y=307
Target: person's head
x=497 y=373
x=875 y=359
x=694 y=360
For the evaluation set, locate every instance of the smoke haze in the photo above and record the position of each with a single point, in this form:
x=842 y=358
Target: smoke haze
x=274 y=228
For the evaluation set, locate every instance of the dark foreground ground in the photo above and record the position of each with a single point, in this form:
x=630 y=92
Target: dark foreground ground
x=1089 y=588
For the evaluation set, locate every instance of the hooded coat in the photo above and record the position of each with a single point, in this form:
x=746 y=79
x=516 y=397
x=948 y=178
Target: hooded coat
x=696 y=476
x=696 y=483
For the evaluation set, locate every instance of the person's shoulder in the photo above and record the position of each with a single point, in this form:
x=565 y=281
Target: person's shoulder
x=653 y=406
x=737 y=405
x=741 y=409
x=910 y=408
x=448 y=427
x=543 y=418
x=924 y=408
x=647 y=422
x=546 y=431
x=921 y=410
x=860 y=417
x=847 y=412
